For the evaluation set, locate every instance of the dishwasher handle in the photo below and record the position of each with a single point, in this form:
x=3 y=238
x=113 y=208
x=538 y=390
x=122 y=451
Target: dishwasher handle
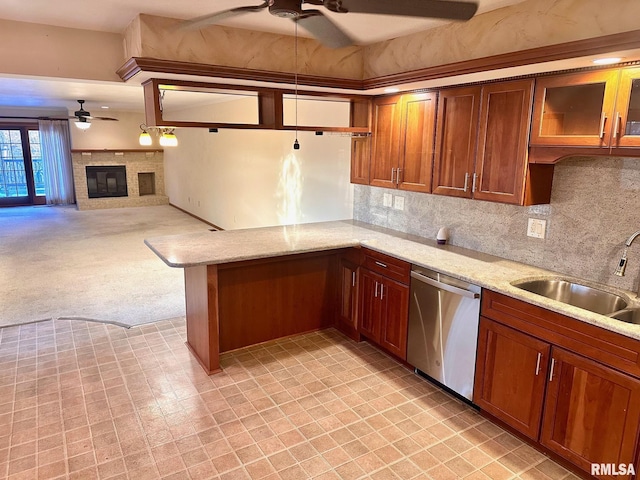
x=444 y=286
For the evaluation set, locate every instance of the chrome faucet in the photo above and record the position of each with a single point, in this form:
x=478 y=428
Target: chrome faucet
x=622 y=264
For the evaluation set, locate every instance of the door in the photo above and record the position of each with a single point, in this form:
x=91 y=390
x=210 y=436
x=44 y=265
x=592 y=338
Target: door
x=348 y=300
x=369 y=314
x=416 y=142
x=384 y=135
x=21 y=168
x=394 y=299
x=575 y=109
x=510 y=376
x=456 y=138
x=592 y=412
x=503 y=142
x=626 y=128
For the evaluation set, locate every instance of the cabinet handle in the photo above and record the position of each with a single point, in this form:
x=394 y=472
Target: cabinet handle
x=393 y=174
x=381 y=291
x=603 y=120
x=553 y=364
x=398 y=176
x=380 y=264
x=538 y=364
x=473 y=184
x=466 y=182
x=616 y=126
x=376 y=292
x=353 y=279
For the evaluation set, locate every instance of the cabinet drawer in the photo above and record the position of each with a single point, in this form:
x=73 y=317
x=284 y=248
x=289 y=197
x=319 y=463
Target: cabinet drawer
x=610 y=348
x=388 y=266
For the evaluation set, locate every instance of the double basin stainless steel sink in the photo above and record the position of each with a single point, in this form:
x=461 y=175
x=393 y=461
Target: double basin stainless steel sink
x=582 y=296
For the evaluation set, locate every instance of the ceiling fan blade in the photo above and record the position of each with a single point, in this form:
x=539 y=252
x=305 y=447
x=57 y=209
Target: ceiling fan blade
x=323 y=29
x=110 y=119
x=214 y=18
x=447 y=9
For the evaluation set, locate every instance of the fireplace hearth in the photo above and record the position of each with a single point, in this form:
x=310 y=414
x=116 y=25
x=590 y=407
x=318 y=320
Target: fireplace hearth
x=106 y=181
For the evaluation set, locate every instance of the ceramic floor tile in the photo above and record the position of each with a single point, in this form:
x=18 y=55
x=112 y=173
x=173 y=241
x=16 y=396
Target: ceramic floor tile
x=87 y=400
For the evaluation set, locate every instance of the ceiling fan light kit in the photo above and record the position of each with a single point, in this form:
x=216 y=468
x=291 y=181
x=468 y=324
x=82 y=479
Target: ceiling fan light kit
x=83 y=123
x=331 y=35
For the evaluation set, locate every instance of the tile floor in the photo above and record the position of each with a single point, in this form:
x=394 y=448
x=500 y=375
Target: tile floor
x=87 y=400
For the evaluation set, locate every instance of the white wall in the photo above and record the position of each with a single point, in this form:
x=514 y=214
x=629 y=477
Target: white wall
x=108 y=134
x=252 y=178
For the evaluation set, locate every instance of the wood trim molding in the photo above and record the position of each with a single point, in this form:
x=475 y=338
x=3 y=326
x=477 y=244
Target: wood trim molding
x=114 y=150
x=136 y=65
x=552 y=155
x=561 y=51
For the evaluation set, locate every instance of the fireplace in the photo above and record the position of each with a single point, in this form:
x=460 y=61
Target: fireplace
x=106 y=181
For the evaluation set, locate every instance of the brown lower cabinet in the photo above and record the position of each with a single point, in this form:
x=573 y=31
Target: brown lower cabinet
x=384 y=302
x=571 y=402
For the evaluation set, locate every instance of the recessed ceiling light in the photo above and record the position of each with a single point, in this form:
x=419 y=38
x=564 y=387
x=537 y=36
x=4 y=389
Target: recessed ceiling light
x=106 y=107
x=391 y=90
x=606 y=61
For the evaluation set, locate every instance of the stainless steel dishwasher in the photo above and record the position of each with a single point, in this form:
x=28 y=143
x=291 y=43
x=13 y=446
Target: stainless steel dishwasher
x=443 y=329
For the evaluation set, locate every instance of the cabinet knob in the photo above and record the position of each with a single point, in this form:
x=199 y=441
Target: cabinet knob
x=393 y=174
x=553 y=364
x=538 y=363
x=466 y=182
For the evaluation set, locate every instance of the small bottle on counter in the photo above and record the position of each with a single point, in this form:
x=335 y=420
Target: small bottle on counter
x=442 y=236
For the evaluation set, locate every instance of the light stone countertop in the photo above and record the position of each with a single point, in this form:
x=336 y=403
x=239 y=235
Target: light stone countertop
x=487 y=271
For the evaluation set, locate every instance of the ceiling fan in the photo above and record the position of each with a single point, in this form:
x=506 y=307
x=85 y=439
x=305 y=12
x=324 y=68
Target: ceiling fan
x=330 y=34
x=83 y=116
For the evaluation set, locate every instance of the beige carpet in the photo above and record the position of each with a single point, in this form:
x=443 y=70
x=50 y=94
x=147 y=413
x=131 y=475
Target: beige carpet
x=58 y=262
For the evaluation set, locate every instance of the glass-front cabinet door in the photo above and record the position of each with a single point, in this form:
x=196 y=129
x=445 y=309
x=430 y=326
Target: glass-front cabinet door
x=627 y=115
x=575 y=109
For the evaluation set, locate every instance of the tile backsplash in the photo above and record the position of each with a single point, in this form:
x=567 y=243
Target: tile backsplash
x=595 y=206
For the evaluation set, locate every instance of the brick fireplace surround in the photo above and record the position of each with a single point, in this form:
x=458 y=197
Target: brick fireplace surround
x=140 y=193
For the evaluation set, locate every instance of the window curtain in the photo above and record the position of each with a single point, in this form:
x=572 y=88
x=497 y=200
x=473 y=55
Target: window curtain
x=55 y=142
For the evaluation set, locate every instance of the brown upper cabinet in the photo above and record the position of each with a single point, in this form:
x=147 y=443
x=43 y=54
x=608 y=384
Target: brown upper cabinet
x=593 y=109
x=456 y=134
x=402 y=134
x=482 y=145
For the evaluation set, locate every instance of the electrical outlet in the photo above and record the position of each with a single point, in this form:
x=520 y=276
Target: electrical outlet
x=387 y=199
x=536 y=228
x=398 y=202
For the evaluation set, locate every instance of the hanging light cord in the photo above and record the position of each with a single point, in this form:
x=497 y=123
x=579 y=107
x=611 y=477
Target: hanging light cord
x=296 y=145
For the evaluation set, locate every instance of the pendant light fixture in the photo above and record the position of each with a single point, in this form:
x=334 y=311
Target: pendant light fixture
x=145 y=138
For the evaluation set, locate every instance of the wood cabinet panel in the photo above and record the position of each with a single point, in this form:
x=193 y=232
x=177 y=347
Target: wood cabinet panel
x=394 y=298
x=456 y=138
x=369 y=311
x=385 y=133
x=510 y=376
x=501 y=162
x=347 y=316
x=610 y=348
x=592 y=412
x=390 y=267
x=261 y=301
x=626 y=127
x=574 y=109
x=416 y=142
x=360 y=160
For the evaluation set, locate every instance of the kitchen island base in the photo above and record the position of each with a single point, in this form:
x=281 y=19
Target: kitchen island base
x=234 y=305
